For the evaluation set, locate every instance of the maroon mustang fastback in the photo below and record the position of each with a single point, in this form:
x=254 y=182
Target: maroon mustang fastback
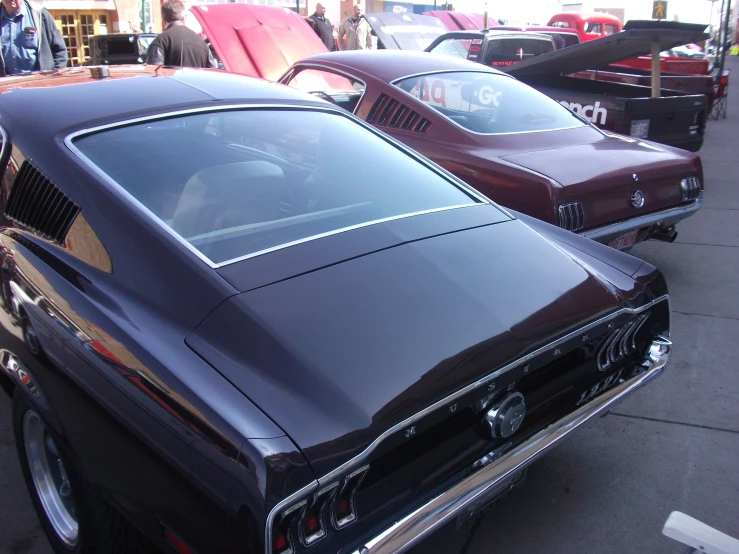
x=512 y=143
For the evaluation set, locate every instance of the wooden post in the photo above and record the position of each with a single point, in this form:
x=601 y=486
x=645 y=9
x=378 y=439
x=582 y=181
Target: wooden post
x=656 y=85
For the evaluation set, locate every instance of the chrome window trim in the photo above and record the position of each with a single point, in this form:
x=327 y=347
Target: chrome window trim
x=360 y=458
x=4 y=145
x=496 y=73
x=330 y=109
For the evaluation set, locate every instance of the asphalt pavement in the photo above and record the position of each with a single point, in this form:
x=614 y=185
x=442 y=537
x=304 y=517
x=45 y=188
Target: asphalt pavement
x=609 y=489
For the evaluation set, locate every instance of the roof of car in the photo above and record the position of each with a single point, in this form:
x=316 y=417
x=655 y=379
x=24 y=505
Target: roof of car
x=389 y=65
x=60 y=101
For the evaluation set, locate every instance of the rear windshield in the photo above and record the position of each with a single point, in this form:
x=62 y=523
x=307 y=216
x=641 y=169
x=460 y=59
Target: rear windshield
x=235 y=183
x=489 y=103
x=507 y=51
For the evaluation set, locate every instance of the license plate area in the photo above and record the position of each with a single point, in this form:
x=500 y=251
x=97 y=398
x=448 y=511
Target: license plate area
x=625 y=241
x=479 y=506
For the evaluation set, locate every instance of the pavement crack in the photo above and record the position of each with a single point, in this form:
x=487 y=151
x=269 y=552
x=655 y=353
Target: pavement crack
x=706 y=315
x=707 y=244
x=658 y=420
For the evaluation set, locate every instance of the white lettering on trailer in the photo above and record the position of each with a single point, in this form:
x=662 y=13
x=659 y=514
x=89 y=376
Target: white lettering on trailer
x=589 y=112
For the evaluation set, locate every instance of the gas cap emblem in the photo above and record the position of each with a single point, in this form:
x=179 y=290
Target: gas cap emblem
x=637 y=199
x=506 y=416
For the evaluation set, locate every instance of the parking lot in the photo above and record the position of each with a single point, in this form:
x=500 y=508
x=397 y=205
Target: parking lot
x=609 y=489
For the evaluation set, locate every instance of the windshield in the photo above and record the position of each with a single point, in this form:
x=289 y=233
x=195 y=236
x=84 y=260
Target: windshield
x=489 y=103
x=235 y=183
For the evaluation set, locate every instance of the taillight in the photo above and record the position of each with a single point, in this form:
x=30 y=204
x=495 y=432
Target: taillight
x=312 y=523
x=571 y=216
x=620 y=343
x=343 y=508
x=306 y=522
x=282 y=533
x=691 y=188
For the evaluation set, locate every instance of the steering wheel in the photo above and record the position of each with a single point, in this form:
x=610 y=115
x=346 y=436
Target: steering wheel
x=322 y=95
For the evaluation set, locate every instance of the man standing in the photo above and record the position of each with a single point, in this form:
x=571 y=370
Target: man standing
x=356 y=32
x=178 y=45
x=322 y=26
x=30 y=39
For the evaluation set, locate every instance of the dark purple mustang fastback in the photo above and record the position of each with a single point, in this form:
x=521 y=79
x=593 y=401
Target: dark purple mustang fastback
x=239 y=319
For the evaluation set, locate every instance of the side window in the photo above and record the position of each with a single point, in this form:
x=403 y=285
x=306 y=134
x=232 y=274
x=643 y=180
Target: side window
x=341 y=90
x=611 y=28
x=593 y=28
x=457 y=48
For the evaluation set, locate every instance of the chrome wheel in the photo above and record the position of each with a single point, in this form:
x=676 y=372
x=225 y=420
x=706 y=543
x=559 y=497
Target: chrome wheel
x=50 y=478
x=30 y=337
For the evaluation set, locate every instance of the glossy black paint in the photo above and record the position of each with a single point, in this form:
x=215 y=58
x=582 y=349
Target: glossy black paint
x=150 y=372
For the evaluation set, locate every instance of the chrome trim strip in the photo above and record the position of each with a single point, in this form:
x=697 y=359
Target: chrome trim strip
x=334 y=110
x=477 y=384
x=670 y=215
x=494 y=72
x=359 y=459
x=338 y=231
x=440 y=510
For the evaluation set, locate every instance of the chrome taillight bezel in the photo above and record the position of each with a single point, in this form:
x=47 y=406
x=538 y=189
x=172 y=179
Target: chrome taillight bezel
x=320 y=503
x=691 y=188
x=620 y=343
x=571 y=216
x=289 y=519
x=292 y=521
x=349 y=486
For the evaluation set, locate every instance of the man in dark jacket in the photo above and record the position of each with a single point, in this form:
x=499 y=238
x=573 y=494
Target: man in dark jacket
x=29 y=38
x=322 y=26
x=178 y=45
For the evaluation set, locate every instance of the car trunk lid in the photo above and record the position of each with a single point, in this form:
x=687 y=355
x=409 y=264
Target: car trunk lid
x=604 y=174
x=339 y=355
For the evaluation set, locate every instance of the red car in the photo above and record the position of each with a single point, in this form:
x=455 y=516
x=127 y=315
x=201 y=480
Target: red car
x=512 y=143
x=589 y=26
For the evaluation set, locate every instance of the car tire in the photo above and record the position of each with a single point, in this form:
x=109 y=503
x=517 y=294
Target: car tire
x=73 y=514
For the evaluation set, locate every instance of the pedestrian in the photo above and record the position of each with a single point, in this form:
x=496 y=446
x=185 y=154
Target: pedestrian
x=355 y=33
x=322 y=26
x=30 y=39
x=178 y=45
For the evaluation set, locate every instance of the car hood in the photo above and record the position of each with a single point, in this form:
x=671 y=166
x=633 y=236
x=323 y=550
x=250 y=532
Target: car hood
x=634 y=41
x=458 y=21
x=259 y=41
x=405 y=31
x=339 y=355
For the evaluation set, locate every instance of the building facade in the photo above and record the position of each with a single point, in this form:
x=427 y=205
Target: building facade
x=78 y=20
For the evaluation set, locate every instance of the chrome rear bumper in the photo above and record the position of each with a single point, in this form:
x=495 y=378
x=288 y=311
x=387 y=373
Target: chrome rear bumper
x=441 y=510
x=662 y=219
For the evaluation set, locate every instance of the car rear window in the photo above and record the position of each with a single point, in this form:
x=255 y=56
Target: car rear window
x=235 y=183
x=507 y=51
x=488 y=103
